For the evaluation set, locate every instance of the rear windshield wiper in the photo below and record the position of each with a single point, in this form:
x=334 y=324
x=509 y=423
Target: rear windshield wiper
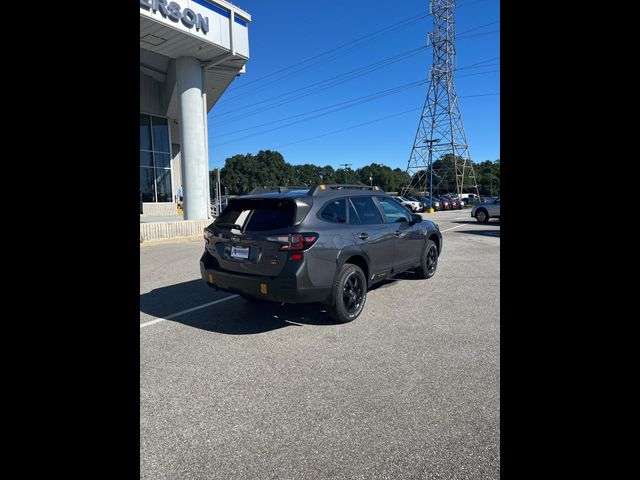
x=229 y=225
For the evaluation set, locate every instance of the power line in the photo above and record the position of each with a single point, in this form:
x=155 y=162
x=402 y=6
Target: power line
x=473 y=65
x=321 y=85
x=341 y=106
x=348 y=128
x=369 y=122
x=333 y=108
x=368 y=38
x=378 y=33
x=317 y=86
x=348 y=76
x=478 y=27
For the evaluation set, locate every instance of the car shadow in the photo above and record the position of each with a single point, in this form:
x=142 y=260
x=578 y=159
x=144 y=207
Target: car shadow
x=484 y=233
x=232 y=317
x=237 y=316
x=492 y=221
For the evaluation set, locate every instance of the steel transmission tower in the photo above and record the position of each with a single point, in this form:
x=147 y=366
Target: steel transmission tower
x=440 y=129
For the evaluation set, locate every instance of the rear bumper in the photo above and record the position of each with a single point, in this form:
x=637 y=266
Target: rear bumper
x=291 y=286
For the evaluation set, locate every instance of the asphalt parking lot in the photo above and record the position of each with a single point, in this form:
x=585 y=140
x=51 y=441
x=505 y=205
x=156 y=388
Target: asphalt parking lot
x=409 y=390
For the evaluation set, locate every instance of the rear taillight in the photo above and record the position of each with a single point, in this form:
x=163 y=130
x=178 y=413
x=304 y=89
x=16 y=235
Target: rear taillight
x=294 y=241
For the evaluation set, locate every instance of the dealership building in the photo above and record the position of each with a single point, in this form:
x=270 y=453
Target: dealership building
x=190 y=52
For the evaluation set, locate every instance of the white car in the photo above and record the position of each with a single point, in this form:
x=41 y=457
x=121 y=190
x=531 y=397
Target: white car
x=484 y=211
x=410 y=204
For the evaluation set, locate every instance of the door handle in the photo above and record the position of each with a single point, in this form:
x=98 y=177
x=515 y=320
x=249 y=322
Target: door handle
x=363 y=236
x=398 y=233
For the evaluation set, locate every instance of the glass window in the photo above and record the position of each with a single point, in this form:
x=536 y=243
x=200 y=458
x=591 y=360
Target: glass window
x=160 y=134
x=393 y=211
x=163 y=182
x=367 y=210
x=146 y=159
x=162 y=160
x=147 y=184
x=335 y=211
x=264 y=214
x=145 y=132
x=155 y=159
x=353 y=216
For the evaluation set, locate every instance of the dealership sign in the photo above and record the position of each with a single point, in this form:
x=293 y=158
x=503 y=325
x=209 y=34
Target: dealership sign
x=175 y=13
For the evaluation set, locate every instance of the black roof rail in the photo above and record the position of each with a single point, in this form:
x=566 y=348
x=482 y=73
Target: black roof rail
x=326 y=187
x=280 y=189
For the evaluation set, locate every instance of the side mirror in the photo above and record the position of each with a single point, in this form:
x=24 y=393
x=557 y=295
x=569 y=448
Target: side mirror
x=415 y=218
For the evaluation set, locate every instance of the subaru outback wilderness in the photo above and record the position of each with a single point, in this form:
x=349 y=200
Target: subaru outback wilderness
x=326 y=244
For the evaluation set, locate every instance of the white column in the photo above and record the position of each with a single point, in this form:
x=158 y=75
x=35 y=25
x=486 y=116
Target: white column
x=193 y=157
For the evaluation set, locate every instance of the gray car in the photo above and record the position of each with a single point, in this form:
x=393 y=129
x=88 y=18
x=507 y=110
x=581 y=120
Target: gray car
x=484 y=211
x=327 y=244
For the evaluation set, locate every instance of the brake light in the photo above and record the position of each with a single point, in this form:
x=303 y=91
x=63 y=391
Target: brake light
x=294 y=241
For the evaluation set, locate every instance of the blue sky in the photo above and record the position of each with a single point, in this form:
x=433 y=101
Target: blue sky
x=286 y=32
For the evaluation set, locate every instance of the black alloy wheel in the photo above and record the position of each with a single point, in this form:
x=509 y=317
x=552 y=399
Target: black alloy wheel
x=482 y=216
x=349 y=294
x=352 y=293
x=429 y=261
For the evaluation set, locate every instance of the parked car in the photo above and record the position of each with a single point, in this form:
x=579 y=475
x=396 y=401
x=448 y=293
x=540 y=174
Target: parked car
x=435 y=203
x=468 y=198
x=453 y=200
x=412 y=205
x=411 y=198
x=446 y=204
x=484 y=211
x=318 y=245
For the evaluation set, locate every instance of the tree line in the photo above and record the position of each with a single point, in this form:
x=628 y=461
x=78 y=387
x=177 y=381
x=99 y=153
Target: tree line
x=242 y=173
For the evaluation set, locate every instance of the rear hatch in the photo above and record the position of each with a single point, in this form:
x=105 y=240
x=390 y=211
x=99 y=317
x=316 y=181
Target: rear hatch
x=238 y=238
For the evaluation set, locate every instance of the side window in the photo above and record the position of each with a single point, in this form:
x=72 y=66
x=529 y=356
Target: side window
x=367 y=210
x=393 y=211
x=353 y=215
x=335 y=211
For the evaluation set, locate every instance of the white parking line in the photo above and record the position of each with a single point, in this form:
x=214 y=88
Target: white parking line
x=173 y=315
x=442 y=231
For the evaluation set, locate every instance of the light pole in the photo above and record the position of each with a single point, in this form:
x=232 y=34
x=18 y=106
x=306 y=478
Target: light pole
x=346 y=165
x=431 y=141
x=371 y=180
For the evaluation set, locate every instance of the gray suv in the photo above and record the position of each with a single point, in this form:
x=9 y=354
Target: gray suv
x=328 y=244
x=482 y=212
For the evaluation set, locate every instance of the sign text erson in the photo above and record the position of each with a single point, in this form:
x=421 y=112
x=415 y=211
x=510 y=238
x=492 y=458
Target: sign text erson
x=174 y=12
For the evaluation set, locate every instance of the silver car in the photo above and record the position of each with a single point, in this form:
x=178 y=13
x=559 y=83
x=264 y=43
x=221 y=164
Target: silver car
x=484 y=211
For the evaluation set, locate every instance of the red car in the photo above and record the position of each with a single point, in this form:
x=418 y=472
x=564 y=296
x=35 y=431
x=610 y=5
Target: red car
x=454 y=203
x=446 y=203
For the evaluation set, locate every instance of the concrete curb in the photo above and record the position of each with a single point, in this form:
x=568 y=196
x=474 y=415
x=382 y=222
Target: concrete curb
x=170 y=230
x=162 y=241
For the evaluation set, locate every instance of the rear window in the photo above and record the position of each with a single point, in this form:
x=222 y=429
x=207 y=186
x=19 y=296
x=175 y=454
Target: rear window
x=335 y=211
x=256 y=215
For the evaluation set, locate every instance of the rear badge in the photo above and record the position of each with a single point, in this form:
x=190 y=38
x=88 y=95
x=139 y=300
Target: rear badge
x=274 y=260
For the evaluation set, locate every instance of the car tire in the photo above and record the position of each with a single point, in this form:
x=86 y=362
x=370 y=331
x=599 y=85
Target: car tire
x=428 y=261
x=482 y=216
x=348 y=294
